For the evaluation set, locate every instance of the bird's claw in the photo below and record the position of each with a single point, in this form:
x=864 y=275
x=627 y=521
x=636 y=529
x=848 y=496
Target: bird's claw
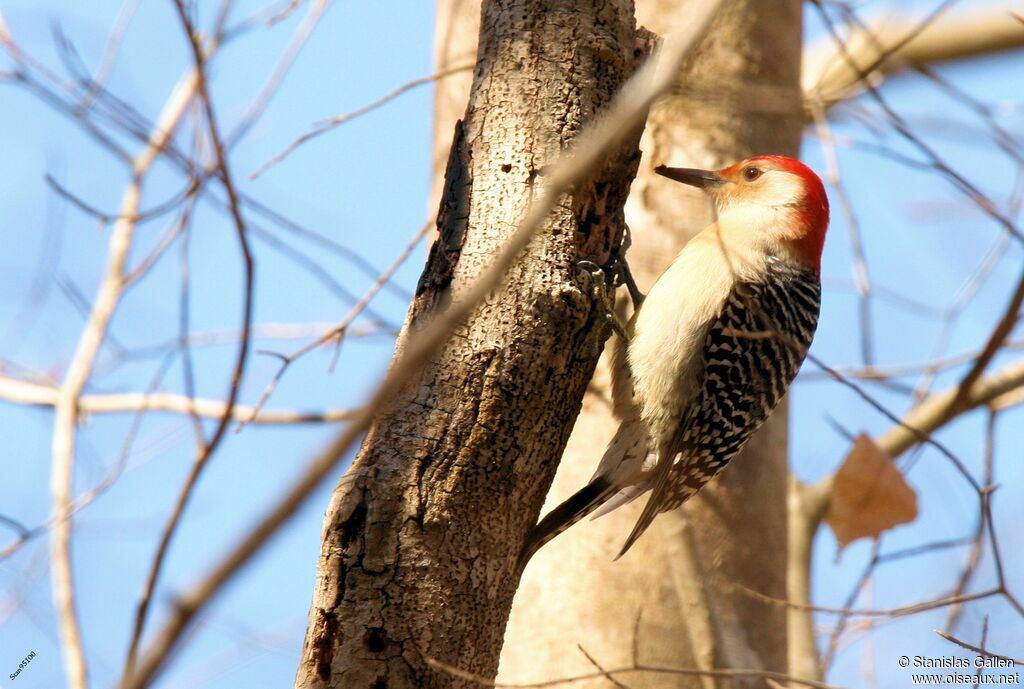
x=597 y=278
x=591 y=268
x=620 y=269
x=623 y=276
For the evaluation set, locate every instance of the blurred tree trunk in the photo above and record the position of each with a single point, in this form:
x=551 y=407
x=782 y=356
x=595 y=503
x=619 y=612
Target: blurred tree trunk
x=422 y=534
x=738 y=95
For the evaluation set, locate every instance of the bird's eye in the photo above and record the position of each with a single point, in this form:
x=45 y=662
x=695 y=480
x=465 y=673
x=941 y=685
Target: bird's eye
x=751 y=173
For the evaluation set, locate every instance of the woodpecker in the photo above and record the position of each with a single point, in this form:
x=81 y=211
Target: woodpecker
x=713 y=347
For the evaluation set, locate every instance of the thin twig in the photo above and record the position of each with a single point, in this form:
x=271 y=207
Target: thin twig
x=269 y=331
x=208 y=449
x=607 y=675
x=110 y=50
x=633 y=669
x=976 y=649
x=917 y=433
x=935 y=161
x=327 y=125
x=284 y=64
x=995 y=342
x=862 y=277
x=977 y=543
x=339 y=331
x=876 y=373
x=901 y=611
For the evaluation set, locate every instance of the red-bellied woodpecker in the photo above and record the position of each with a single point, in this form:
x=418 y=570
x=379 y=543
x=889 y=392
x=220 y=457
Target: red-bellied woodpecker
x=713 y=346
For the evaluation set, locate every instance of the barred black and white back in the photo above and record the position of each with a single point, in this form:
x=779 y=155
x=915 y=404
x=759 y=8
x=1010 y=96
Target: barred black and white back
x=751 y=355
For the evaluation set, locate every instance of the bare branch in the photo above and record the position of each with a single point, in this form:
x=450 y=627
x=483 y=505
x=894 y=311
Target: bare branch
x=805 y=511
x=862 y=277
x=936 y=411
x=826 y=76
x=934 y=160
x=79 y=370
x=976 y=649
x=23 y=392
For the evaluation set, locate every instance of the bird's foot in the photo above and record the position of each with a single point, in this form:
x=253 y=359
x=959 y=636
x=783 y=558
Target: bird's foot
x=621 y=272
x=596 y=278
x=621 y=275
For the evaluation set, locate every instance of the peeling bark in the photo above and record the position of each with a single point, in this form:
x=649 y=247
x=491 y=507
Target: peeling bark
x=421 y=535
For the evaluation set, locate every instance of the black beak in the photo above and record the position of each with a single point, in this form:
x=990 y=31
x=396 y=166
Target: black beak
x=702 y=179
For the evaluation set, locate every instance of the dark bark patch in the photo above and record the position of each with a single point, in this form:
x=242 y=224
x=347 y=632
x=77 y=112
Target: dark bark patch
x=353 y=526
x=321 y=647
x=600 y=215
x=375 y=641
x=452 y=223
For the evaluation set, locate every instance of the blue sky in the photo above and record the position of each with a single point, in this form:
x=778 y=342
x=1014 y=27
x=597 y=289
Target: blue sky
x=365 y=185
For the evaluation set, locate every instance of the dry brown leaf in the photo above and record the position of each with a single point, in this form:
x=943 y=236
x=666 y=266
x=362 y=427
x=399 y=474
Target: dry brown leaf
x=869 y=495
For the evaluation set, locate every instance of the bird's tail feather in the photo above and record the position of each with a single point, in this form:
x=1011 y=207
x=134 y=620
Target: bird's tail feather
x=654 y=503
x=579 y=505
x=623 y=497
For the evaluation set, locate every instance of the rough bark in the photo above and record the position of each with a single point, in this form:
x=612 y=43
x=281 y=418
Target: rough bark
x=738 y=95
x=421 y=535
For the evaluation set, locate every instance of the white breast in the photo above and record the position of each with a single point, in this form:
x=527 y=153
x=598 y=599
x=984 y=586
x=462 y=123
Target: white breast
x=669 y=330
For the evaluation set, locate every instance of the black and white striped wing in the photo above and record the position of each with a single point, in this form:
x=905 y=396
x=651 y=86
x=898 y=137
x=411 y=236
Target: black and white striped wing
x=751 y=354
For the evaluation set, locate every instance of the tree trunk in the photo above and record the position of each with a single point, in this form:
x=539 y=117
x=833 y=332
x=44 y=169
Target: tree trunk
x=738 y=95
x=422 y=534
